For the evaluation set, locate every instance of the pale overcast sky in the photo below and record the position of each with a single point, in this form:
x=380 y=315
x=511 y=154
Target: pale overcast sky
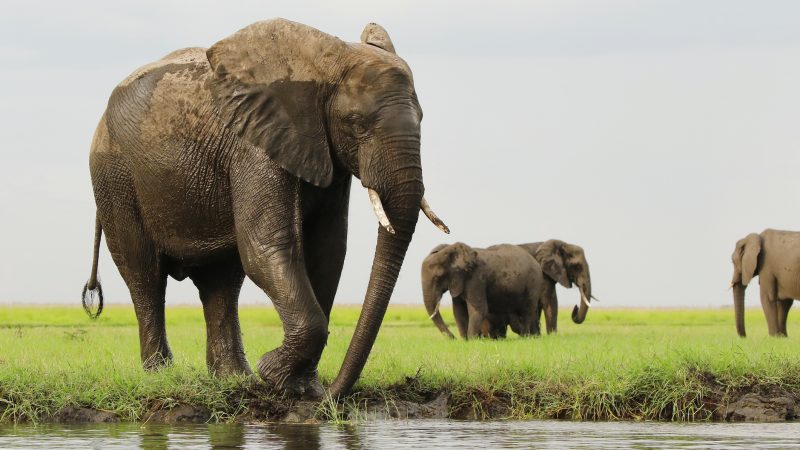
x=653 y=133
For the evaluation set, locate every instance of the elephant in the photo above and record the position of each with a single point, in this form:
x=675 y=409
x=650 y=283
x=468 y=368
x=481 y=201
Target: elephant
x=565 y=264
x=773 y=256
x=236 y=160
x=490 y=288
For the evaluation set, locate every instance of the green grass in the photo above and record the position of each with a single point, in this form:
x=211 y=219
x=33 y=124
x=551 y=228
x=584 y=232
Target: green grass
x=619 y=364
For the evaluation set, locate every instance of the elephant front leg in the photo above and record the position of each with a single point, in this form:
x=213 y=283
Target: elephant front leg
x=219 y=285
x=325 y=239
x=769 y=306
x=550 y=307
x=461 y=315
x=268 y=220
x=477 y=317
x=292 y=367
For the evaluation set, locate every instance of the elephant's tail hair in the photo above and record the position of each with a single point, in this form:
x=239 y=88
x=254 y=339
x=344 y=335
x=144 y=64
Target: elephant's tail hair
x=93 y=289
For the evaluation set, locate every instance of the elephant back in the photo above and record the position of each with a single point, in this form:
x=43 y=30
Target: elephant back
x=161 y=100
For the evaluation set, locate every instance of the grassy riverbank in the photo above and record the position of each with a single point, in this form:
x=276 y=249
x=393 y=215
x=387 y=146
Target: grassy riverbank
x=619 y=364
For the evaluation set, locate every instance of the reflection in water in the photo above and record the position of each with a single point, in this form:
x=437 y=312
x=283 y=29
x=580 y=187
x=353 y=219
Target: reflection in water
x=439 y=434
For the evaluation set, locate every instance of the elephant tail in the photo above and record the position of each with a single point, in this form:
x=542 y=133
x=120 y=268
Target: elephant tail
x=93 y=290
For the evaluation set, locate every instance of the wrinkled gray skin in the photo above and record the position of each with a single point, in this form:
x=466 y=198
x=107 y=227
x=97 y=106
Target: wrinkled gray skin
x=489 y=288
x=216 y=164
x=566 y=265
x=773 y=256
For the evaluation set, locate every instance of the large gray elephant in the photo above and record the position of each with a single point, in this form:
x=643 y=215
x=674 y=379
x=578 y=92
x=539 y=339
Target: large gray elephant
x=490 y=288
x=565 y=264
x=234 y=161
x=773 y=256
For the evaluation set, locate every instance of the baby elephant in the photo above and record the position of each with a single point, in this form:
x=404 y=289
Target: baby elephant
x=774 y=256
x=491 y=288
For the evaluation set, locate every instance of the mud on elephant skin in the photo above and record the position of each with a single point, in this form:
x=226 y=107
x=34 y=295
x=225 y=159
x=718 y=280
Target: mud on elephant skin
x=488 y=286
x=565 y=264
x=773 y=256
x=236 y=160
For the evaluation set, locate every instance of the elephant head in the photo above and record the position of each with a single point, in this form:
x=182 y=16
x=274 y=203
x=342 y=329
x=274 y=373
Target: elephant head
x=319 y=107
x=446 y=268
x=566 y=264
x=745 y=267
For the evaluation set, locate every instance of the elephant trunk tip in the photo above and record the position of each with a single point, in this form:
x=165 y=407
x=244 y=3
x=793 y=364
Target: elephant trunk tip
x=576 y=317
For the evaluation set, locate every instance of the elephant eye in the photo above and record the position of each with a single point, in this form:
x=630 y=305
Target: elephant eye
x=359 y=128
x=356 y=122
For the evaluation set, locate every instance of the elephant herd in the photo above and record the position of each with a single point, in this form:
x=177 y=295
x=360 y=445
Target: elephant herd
x=504 y=285
x=511 y=285
x=235 y=161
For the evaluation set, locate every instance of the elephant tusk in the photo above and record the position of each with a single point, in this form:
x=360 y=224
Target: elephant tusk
x=426 y=208
x=585 y=300
x=377 y=208
x=435 y=310
x=595 y=298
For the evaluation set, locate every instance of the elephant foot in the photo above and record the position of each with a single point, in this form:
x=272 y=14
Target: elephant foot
x=223 y=366
x=292 y=376
x=157 y=360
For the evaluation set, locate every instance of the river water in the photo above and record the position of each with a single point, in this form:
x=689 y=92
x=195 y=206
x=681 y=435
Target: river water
x=422 y=434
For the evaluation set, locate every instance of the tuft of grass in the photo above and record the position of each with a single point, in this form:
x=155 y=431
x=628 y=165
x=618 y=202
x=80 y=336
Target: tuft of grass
x=619 y=364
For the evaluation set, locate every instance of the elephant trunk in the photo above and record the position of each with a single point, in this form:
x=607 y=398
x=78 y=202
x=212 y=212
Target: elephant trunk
x=400 y=198
x=579 y=312
x=738 y=304
x=432 y=298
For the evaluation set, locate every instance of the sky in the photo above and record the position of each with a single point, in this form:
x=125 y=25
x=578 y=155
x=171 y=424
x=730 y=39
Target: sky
x=654 y=134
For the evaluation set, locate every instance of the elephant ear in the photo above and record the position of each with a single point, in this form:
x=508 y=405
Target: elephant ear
x=464 y=260
x=269 y=84
x=745 y=258
x=377 y=36
x=549 y=255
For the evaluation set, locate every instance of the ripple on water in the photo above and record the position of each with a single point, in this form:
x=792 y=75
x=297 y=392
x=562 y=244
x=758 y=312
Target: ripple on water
x=438 y=434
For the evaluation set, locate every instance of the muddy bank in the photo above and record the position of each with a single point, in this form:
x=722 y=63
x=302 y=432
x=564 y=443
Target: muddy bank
x=410 y=400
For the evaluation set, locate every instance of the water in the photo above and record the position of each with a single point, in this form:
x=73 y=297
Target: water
x=427 y=434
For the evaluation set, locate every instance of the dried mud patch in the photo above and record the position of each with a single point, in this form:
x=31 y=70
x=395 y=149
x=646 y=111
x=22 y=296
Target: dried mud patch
x=180 y=413
x=80 y=414
x=763 y=404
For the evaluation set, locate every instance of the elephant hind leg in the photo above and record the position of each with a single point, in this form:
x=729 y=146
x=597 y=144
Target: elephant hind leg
x=783 y=307
x=142 y=269
x=135 y=255
x=219 y=284
x=769 y=304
